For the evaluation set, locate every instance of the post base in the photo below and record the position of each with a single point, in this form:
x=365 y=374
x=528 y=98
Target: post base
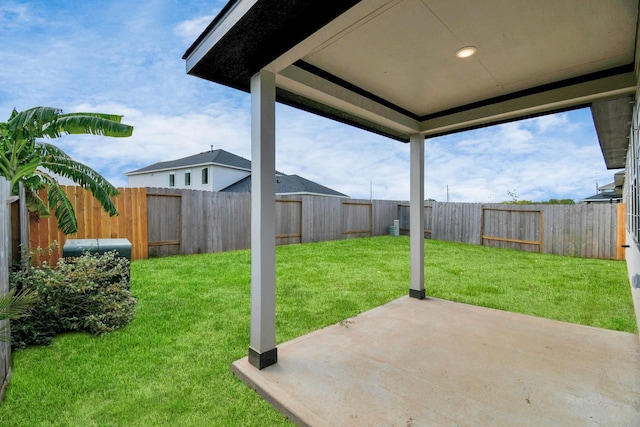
x=262 y=360
x=413 y=293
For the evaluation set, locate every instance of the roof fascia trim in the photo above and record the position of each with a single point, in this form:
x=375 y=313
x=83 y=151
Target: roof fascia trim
x=624 y=69
x=535 y=103
x=187 y=167
x=322 y=74
x=222 y=23
x=612 y=119
x=355 y=89
x=219 y=16
x=253 y=34
x=306 y=104
x=348 y=99
x=554 y=97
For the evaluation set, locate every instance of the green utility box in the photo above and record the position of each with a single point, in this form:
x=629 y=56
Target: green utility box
x=394 y=230
x=76 y=247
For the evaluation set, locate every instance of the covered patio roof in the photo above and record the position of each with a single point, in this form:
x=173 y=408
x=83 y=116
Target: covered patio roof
x=390 y=66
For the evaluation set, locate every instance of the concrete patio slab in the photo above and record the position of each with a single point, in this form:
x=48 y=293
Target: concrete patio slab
x=438 y=363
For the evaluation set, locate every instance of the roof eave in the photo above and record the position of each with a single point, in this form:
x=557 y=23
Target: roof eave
x=187 y=167
x=250 y=34
x=612 y=119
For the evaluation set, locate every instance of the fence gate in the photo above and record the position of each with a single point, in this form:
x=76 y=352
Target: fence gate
x=512 y=228
x=164 y=212
x=357 y=219
x=289 y=221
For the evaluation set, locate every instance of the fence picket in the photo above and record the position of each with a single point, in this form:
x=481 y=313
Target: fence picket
x=94 y=223
x=576 y=230
x=162 y=221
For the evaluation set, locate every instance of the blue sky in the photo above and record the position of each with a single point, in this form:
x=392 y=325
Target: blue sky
x=124 y=57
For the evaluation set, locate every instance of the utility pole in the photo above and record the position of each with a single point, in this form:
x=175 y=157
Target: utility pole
x=447 y=193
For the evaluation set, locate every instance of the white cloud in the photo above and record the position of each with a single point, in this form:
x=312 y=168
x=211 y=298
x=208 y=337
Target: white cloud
x=157 y=137
x=190 y=29
x=550 y=122
x=547 y=157
x=124 y=61
x=18 y=16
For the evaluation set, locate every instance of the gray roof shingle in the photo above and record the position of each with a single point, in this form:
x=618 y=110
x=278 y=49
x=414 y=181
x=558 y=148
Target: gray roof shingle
x=287 y=184
x=221 y=157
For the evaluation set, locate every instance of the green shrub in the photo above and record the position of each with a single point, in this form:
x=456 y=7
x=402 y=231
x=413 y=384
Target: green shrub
x=91 y=293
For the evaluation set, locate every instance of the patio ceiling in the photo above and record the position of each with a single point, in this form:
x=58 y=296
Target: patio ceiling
x=389 y=66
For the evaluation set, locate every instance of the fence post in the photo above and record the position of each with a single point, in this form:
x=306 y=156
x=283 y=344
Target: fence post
x=24 y=222
x=5 y=262
x=621 y=231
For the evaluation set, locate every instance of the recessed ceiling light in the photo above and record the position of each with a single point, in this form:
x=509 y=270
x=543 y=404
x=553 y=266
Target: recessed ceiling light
x=465 y=52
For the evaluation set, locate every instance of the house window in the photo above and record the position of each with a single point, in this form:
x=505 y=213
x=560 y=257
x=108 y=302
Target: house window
x=172 y=180
x=205 y=175
x=187 y=178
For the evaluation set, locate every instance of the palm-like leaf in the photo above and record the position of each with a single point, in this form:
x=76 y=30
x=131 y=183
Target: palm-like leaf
x=49 y=122
x=14 y=306
x=57 y=161
x=84 y=123
x=35 y=202
x=24 y=170
x=22 y=158
x=62 y=209
x=29 y=124
x=61 y=206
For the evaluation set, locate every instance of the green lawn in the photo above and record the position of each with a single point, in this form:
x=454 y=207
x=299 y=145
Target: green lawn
x=170 y=366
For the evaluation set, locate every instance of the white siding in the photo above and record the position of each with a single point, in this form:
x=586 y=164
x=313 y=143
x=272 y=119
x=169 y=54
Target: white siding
x=196 y=179
x=223 y=177
x=154 y=179
x=161 y=179
x=632 y=198
x=219 y=177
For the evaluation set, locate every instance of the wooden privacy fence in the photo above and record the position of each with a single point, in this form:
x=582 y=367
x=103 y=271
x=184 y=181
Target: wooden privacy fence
x=506 y=226
x=190 y=221
x=583 y=230
x=163 y=221
x=94 y=223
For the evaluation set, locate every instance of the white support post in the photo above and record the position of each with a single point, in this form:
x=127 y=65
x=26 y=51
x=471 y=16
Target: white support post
x=416 y=213
x=262 y=345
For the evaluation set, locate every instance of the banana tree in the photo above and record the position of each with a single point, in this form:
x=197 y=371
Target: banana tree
x=26 y=158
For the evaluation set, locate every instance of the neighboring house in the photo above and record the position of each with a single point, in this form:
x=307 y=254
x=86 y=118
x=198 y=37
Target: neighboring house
x=218 y=170
x=609 y=193
x=288 y=185
x=212 y=171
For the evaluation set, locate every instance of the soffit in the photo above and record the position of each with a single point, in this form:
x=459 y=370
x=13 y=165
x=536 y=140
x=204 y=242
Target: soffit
x=389 y=66
x=405 y=53
x=612 y=119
